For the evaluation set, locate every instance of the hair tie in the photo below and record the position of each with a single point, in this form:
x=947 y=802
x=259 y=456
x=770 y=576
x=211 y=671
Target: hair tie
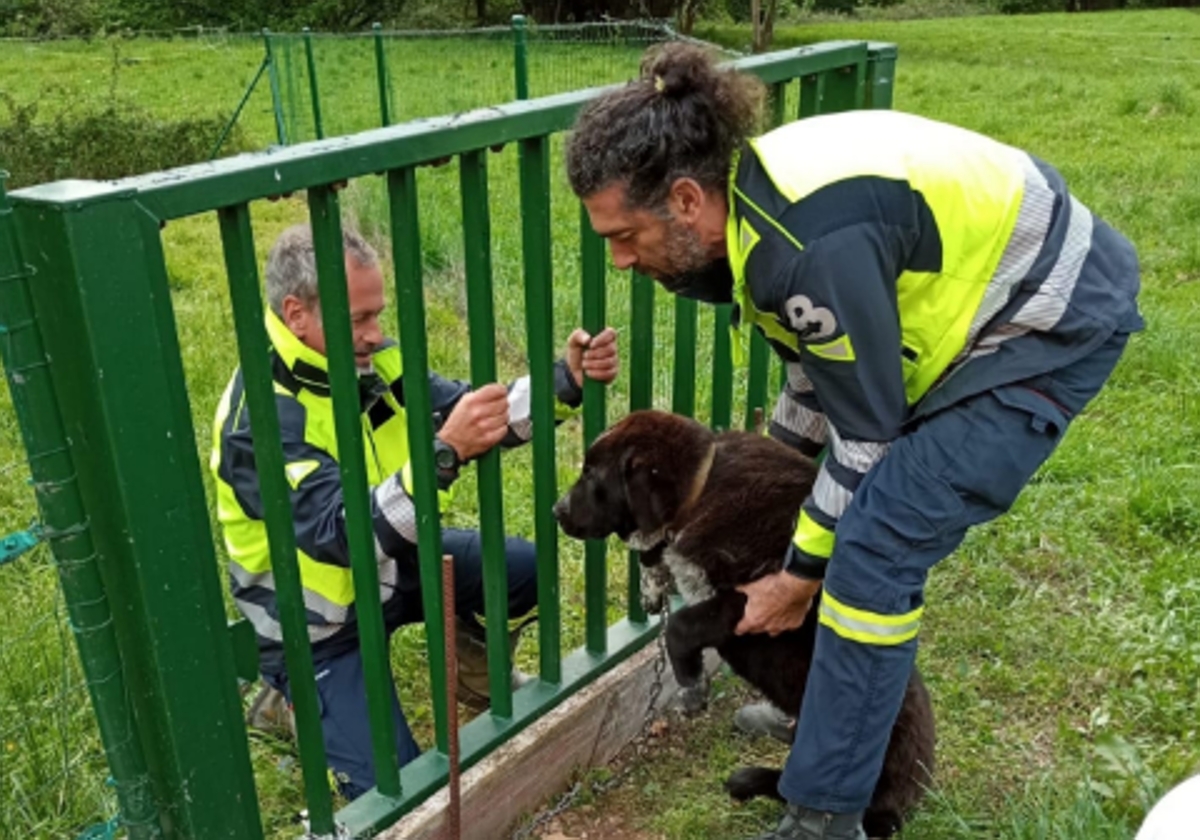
x=659 y=84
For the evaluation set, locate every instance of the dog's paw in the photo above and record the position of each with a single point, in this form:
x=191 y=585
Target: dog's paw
x=751 y=782
x=693 y=699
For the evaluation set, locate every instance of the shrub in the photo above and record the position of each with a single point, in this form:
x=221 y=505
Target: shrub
x=100 y=141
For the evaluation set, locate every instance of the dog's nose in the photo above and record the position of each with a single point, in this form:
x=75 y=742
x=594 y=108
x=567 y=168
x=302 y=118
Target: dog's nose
x=561 y=508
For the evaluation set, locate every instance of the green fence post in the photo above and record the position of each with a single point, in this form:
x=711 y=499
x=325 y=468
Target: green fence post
x=722 y=369
x=276 y=97
x=241 y=266
x=104 y=304
x=313 y=91
x=410 y=310
x=65 y=524
x=641 y=396
x=481 y=317
x=595 y=562
x=539 y=325
x=778 y=104
x=881 y=74
x=325 y=216
x=520 y=57
x=381 y=76
x=683 y=378
x=756 y=383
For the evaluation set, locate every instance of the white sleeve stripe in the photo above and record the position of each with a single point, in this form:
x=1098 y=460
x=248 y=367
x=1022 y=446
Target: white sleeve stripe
x=797 y=380
x=397 y=508
x=799 y=419
x=832 y=498
x=859 y=456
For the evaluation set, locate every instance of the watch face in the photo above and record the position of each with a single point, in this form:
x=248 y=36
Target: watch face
x=446 y=459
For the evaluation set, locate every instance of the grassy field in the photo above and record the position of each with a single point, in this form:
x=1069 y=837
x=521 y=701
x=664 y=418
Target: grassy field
x=1061 y=644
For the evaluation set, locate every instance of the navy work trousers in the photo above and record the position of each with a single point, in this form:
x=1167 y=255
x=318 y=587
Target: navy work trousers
x=341 y=687
x=960 y=467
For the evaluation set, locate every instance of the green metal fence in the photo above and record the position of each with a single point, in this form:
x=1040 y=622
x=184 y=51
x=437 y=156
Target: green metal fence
x=93 y=361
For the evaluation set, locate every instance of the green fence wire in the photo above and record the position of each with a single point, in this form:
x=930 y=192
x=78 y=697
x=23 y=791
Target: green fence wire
x=435 y=72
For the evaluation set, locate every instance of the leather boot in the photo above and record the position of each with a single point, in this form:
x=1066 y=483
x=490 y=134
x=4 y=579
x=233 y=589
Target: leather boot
x=806 y=824
x=473 y=690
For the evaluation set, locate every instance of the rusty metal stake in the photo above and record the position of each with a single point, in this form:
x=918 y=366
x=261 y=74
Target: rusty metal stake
x=455 y=815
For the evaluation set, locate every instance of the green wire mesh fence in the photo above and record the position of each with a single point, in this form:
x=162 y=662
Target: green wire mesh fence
x=328 y=85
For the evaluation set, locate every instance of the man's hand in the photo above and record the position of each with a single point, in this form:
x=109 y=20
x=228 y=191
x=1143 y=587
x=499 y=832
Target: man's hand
x=776 y=603
x=478 y=422
x=593 y=356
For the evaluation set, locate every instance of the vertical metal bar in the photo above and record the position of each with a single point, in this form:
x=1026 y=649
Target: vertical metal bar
x=65 y=525
x=276 y=97
x=449 y=673
x=237 y=239
x=778 y=103
x=410 y=309
x=520 y=57
x=103 y=304
x=481 y=317
x=325 y=216
x=641 y=349
x=539 y=325
x=313 y=91
x=594 y=420
x=641 y=396
x=756 y=387
x=881 y=74
x=812 y=92
x=381 y=77
x=683 y=381
x=722 y=373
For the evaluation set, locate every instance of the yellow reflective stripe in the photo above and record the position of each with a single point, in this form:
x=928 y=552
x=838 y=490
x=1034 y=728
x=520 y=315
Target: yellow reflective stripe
x=333 y=583
x=812 y=538
x=867 y=627
x=297 y=471
x=766 y=218
x=838 y=350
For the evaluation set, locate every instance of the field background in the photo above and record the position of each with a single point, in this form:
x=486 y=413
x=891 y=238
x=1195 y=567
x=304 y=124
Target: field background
x=1062 y=644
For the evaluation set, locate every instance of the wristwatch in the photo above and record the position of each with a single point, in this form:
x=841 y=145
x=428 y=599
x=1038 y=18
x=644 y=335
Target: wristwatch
x=447 y=462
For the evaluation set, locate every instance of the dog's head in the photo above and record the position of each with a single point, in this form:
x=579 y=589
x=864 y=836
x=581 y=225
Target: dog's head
x=636 y=477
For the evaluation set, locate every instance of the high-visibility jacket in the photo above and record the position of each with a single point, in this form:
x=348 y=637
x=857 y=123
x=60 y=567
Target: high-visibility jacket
x=898 y=265
x=305 y=409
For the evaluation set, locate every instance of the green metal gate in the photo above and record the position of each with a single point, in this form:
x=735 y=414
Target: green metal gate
x=92 y=355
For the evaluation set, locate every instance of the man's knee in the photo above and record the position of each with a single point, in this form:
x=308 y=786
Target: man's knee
x=522 y=576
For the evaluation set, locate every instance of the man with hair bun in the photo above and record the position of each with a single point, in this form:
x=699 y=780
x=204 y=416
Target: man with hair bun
x=944 y=308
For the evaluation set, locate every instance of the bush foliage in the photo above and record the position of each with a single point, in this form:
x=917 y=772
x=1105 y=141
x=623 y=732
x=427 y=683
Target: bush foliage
x=99 y=141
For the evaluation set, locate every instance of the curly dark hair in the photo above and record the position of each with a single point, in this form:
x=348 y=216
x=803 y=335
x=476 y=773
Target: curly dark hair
x=683 y=117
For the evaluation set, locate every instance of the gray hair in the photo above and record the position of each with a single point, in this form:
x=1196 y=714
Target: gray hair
x=292 y=264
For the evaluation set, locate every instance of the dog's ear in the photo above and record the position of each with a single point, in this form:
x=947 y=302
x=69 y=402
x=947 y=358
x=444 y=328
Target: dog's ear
x=650 y=493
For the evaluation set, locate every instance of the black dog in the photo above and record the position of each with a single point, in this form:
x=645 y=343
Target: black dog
x=711 y=512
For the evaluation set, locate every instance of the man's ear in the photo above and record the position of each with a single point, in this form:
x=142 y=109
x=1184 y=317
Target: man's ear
x=297 y=316
x=686 y=200
x=649 y=492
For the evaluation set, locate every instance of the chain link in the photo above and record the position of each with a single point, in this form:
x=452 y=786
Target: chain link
x=571 y=796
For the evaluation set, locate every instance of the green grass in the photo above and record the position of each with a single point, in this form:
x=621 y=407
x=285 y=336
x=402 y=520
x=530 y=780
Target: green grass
x=1061 y=643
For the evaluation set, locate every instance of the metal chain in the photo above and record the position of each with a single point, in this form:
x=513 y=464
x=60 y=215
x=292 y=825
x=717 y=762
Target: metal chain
x=571 y=796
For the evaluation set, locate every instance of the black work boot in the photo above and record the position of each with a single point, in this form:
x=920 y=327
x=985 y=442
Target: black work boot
x=806 y=824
